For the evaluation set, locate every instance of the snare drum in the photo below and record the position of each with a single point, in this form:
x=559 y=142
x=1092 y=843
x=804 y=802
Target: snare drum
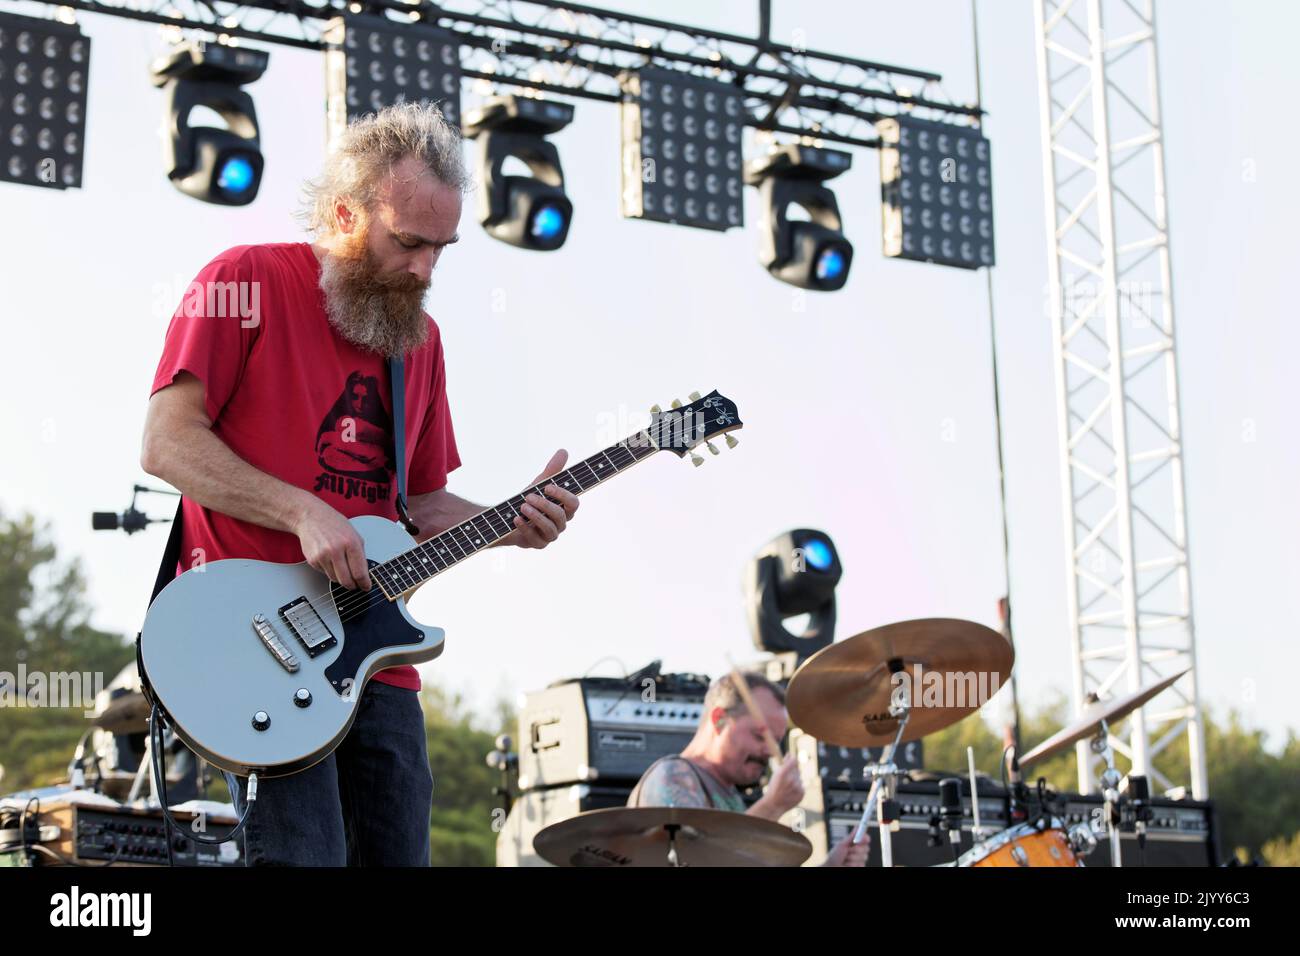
x=1024 y=845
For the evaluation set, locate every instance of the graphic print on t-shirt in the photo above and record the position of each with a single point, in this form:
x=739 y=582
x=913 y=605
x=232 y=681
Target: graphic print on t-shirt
x=355 y=443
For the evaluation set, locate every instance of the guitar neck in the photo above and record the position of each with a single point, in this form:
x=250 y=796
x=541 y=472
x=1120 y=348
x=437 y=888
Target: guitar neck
x=412 y=568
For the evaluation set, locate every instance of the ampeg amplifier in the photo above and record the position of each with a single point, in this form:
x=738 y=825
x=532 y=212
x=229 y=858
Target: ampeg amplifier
x=606 y=729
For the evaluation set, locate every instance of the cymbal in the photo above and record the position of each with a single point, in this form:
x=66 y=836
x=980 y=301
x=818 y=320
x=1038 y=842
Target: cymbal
x=1089 y=722
x=639 y=836
x=841 y=694
x=126 y=714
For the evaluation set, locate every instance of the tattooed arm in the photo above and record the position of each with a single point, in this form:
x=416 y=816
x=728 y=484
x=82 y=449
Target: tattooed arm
x=672 y=784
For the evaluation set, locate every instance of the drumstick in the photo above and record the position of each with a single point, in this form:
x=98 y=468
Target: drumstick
x=743 y=689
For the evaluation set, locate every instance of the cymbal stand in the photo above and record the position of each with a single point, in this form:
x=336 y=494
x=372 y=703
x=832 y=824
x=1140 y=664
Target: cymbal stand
x=883 y=776
x=671 y=829
x=1110 y=779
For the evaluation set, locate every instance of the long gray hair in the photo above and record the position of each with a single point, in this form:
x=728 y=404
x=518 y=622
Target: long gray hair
x=365 y=153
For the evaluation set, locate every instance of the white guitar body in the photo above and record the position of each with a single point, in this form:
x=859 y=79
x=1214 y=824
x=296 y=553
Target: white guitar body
x=247 y=705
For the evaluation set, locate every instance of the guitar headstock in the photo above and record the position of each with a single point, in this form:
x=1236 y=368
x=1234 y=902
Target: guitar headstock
x=683 y=427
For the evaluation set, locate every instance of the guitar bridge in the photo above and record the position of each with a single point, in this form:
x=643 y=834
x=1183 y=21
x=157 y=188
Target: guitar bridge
x=308 y=626
x=271 y=640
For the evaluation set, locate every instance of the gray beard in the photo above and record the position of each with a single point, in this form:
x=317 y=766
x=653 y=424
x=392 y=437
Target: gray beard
x=373 y=313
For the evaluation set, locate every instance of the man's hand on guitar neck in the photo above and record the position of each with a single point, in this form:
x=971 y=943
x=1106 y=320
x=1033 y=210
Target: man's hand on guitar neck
x=542 y=522
x=544 y=517
x=332 y=546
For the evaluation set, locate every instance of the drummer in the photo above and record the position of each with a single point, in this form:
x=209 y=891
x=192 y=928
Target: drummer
x=730 y=750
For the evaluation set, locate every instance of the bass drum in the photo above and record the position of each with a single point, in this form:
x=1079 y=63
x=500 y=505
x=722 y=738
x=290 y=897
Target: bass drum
x=1024 y=845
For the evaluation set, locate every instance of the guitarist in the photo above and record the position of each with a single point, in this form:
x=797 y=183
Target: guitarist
x=271 y=412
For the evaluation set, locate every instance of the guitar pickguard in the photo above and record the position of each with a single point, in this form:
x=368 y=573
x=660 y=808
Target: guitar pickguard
x=370 y=623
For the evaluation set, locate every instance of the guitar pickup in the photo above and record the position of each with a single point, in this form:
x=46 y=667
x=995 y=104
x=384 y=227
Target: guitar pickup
x=308 y=626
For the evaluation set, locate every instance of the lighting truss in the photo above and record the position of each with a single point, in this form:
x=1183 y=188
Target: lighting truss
x=581 y=51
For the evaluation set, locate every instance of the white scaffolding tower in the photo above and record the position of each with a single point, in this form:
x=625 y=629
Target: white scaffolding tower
x=1111 y=301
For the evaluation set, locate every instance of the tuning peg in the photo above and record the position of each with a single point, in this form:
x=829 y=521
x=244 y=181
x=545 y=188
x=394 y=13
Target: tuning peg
x=655 y=409
x=695 y=396
x=732 y=441
x=696 y=460
x=713 y=448
x=676 y=403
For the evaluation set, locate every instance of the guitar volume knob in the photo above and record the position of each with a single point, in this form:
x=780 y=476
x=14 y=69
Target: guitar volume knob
x=302 y=697
x=261 y=720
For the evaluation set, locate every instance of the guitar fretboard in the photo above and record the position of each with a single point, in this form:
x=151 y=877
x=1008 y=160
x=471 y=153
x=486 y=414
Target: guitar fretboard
x=398 y=575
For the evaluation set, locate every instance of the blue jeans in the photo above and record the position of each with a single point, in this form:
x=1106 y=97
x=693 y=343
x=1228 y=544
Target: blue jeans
x=366 y=804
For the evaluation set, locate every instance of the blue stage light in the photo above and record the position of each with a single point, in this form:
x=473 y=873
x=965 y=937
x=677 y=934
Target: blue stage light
x=236 y=175
x=817 y=553
x=830 y=264
x=548 y=222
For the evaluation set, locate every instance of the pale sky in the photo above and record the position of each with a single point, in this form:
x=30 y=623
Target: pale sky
x=848 y=404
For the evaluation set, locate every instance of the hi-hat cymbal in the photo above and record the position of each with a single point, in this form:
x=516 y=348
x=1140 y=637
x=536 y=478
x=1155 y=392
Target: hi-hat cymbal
x=1089 y=722
x=843 y=692
x=640 y=836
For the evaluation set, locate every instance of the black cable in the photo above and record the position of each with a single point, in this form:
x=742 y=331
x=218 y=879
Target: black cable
x=69 y=862
x=160 y=784
x=159 y=756
x=22 y=822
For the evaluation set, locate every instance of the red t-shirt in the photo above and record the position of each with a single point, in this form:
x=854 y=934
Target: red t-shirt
x=296 y=400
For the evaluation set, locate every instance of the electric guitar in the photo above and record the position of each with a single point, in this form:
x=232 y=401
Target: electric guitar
x=258 y=666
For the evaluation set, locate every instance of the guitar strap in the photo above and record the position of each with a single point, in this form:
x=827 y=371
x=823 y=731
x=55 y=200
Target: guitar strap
x=166 y=572
x=171 y=553
x=397 y=381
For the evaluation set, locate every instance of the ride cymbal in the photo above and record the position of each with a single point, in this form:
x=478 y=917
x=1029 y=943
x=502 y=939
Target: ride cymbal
x=842 y=694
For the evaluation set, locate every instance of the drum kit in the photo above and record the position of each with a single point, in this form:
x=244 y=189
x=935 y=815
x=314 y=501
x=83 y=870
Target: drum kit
x=883 y=687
